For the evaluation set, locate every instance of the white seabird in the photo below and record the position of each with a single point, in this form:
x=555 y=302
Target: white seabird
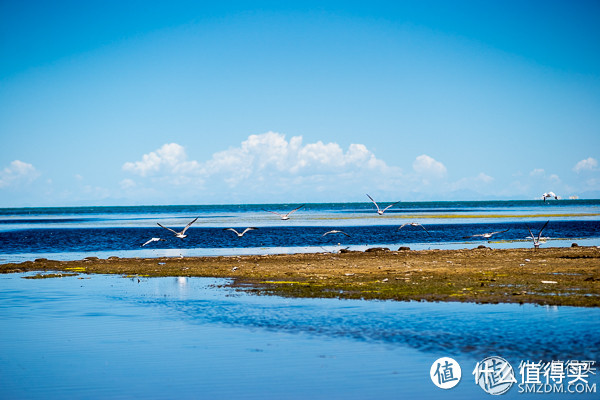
x=536 y=242
x=414 y=224
x=154 y=240
x=486 y=235
x=181 y=234
x=286 y=216
x=549 y=195
x=238 y=233
x=335 y=231
x=380 y=211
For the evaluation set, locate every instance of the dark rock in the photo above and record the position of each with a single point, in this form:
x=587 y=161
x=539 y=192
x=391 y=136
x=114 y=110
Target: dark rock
x=403 y=248
x=574 y=245
x=376 y=249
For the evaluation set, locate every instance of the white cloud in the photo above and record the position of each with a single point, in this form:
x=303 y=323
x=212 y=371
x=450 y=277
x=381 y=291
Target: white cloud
x=268 y=163
x=272 y=167
x=169 y=159
x=589 y=164
x=259 y=155
x=271 y=152
x=17 y=172
x=127 y=183
x=429 y=167
x=538 y=172
x=484 y=178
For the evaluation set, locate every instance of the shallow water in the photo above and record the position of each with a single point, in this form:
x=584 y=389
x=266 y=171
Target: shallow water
x=97 y=336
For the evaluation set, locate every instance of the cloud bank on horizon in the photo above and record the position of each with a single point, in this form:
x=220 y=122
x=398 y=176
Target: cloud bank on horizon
x=264 y=167
x=268 y=167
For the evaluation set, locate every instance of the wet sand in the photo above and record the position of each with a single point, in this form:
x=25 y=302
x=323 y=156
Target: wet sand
x=548 y=276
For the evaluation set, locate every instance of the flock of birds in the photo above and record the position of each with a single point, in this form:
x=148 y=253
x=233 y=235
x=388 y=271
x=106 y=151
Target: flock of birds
x=181 y=234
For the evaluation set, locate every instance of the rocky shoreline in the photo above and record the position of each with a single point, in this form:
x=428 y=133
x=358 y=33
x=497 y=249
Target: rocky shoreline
x=547 y=276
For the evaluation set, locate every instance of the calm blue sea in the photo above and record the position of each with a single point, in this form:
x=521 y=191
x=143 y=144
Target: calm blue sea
x=77 y=232
x=109 y=337
x=194 y=338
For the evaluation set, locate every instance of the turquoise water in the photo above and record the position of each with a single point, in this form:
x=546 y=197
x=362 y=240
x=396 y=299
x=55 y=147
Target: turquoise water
x=102 y=336
x=75 y=233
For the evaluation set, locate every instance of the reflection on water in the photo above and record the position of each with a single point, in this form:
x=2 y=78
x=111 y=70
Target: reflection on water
x=106 y=336
x=477 y=330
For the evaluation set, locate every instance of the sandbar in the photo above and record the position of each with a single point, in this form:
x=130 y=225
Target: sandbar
x=546 y=276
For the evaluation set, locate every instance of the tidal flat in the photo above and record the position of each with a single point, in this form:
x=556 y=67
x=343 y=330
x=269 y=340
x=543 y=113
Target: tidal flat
x=547 y=276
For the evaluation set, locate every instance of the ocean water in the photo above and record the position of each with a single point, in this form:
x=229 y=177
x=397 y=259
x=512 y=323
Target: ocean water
x=109 y=337
x=74 y=233
x=99 y=337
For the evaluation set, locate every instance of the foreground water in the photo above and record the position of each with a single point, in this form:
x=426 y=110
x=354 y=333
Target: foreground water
x=75 y=233
x=111 y=337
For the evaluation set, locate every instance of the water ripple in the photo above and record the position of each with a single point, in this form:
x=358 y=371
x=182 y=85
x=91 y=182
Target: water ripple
x=519 y=331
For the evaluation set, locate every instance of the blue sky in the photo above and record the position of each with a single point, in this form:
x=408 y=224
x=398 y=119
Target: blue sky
x=190 y=102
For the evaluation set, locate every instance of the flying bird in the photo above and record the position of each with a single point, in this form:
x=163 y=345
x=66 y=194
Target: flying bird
x=154 y=240
x=181 y=234
x=285 y=216
x=549 y=195
x=335 y=231
x=380 y=211
x=414 y=224
x=486 y=235
x=536 y=242
x=238 y=233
